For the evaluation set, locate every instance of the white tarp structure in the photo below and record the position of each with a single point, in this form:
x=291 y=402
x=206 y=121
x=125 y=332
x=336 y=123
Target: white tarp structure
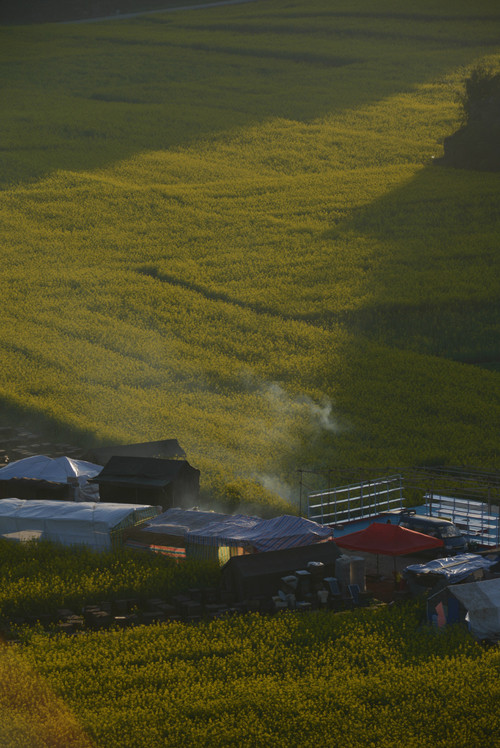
x=56 y=470
x=93 y=524
x=482 y=602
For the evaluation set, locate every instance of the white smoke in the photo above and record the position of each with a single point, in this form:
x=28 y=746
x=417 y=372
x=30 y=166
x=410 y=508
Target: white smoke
x=313 y=415
x=290 y=420
x=277 y=486
x=323 y=415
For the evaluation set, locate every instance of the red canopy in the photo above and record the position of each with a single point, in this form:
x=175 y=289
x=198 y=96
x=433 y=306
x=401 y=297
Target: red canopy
x=390 y=540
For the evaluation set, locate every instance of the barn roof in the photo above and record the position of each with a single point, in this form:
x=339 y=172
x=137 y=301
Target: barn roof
x=285 y=531
x=214 y=529
x=179 y=522
x=162 y=449
x=141 y=471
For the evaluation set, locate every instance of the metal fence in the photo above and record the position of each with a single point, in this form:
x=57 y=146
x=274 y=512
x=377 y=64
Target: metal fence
x=476 y=520
x=470 y=499
x=355 y=501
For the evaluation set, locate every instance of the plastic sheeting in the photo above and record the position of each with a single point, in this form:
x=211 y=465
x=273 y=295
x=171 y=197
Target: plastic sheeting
x=55 y=470
x=254 y=533
x=262 y=534
x=452 y=569
x=482 y=602
x=85 y=523
x=180 y=521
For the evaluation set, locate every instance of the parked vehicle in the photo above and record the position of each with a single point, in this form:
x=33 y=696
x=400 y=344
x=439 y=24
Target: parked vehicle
x=454 y=541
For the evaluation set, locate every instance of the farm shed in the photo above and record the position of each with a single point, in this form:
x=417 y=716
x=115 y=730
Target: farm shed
x=96 y=525
x=167 y=533
x=253 y=535
x=41 y=477
x=476 y=603
x=148 y=480
x=260 y=574
x=482 y=602
x=165 y=449
x=215 y=536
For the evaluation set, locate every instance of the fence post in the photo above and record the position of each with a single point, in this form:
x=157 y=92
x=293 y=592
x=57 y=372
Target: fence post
x=329 y=494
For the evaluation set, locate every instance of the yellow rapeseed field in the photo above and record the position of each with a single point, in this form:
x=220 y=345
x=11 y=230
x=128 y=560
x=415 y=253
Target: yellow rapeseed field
x=366 y=678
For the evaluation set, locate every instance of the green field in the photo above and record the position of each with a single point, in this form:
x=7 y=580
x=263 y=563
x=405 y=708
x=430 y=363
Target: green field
x=359 y=679
x=224 y=226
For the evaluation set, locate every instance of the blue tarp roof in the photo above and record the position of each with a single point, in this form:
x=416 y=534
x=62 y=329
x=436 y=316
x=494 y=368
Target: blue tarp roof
x=210 y=528
x=453 y=569
x=263 y=534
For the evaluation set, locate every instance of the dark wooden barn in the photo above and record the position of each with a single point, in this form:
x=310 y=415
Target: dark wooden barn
x=146 y=480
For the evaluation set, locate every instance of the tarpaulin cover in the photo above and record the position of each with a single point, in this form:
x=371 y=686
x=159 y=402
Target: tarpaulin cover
x=212 y=529
x=389 y=540
x=482 y=602
x=273 y=534
x=84 y=523
x=55 y=470
x=58 y=469
x=180 y=521
x=453 y=569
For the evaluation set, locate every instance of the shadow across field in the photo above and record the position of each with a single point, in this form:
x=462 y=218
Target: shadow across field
x=433 y=284
x=84 y=96
x=25 y=431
